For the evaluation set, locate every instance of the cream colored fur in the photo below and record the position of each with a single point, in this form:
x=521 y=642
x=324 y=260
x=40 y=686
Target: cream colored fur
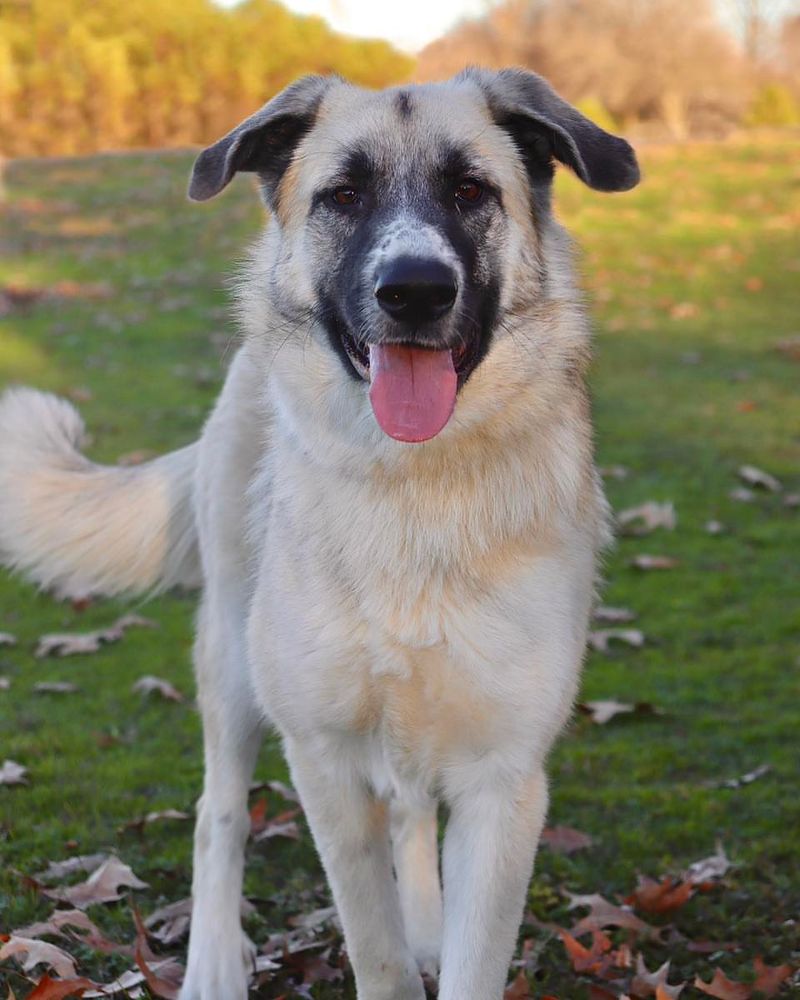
x=411 y=618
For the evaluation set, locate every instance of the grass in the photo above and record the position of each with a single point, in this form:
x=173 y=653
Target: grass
x=693 y=278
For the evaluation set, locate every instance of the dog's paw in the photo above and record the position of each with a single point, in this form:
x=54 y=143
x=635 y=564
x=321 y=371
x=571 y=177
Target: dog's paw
x=217 y=971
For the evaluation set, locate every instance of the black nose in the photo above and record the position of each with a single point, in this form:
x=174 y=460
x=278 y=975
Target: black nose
x=416 y=290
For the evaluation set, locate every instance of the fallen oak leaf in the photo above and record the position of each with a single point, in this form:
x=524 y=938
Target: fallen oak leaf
x=600 y=639
x=155 y=975
x=60 y=919
x=710 y=868
x=31 y=952
x=518 y=989
x=282 y=825
x=100 y=887
x=646 y=983
x=614 y=616
x=601 y=712
x=769 y=978
x=152 y=817
x=660 y=897
x=79 y=863
x=77 y=643
x=149 y=684
x=754 y=476
x=596 y=959
x=645 y=518
x=603 y=914
x=565 y=839
x=723 y=988
x=60 y=989
x=646 y=562
x=12 y=773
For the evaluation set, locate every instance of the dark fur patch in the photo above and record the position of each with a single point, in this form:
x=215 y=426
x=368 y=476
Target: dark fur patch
x=404 y=104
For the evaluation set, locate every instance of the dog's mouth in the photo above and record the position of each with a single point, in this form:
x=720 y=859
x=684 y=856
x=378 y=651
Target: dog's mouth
x=412 y=389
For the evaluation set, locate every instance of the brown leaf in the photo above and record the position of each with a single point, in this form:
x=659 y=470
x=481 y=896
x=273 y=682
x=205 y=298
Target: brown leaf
x=645 y=518
x=604 y=914
x=152 y=817
x=565 y=839
x=174 y=920
x=282 y=825
x=60 y=989
x=79 y=863
x=614 y=616
x=600 y=639
x=660 y=897
x=77 y=643
x=149 y=684
x=519 y=989
x=163 y=978
x=723 y=988
x=754 y=476
x=60 y=919
x=100 y=887
x=790 y=346
x=30 y=952
x=315 y=919
x=651 y=562
x=601 y=712
x=646 y=983
x=12 y=773
x=710 y=868
x=769 y=978
x=596 y=959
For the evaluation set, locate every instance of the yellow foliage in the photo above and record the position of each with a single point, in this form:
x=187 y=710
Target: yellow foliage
x=78 y=77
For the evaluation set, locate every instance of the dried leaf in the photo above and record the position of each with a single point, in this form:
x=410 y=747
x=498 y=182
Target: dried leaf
x=77 y=643
x=754 y=476
x=63 y=869
x=100 y=887
x=645 y=518
x=519 y=989
x=282 y=825
x=152 y=817
x=30 y=952
x=149 y=684
x=163 y=978
x=316 y=919
x=650 y=562
x=614 y=616
x=710 y=868
x=604 y=914
x=55 y=687
x=723 y=988
x=790 y=346
x=7 y=639
x=60 y=989
x=60 y=919
x=646 y=983
x=769 y=978
x=660 y=897
x=600 y=639
x=596 y=959
x=565 y=839
x=601 y=712
x=12 y=773
x=745 y=779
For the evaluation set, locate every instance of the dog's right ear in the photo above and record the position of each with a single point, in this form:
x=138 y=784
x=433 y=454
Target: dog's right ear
x=263 y=143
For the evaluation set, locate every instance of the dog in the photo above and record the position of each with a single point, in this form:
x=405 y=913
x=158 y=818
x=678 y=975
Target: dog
x=393 y=512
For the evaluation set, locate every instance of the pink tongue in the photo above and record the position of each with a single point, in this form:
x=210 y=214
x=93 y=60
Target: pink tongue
x=412 y=391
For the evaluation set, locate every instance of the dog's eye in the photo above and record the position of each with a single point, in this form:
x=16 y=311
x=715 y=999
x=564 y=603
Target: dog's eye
x=469 y=190
x=346 y=196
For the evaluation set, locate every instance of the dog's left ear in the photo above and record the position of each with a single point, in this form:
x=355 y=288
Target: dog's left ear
x=531 y=111
x=263 y=143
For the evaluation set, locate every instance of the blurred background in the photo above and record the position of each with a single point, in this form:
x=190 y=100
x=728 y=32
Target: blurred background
x=78 y=76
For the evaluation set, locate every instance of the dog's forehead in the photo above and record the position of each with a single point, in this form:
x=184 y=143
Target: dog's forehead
x=401 y=124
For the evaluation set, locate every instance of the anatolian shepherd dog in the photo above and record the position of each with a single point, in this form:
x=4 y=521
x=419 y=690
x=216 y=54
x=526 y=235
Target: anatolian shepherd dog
x=393 y=511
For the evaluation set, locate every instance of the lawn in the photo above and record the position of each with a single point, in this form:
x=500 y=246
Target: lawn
x=115 y=296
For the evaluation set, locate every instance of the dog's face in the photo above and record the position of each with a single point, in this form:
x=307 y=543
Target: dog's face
x=409 y=220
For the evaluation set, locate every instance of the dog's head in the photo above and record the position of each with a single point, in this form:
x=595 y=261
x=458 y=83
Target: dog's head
x=408 y=222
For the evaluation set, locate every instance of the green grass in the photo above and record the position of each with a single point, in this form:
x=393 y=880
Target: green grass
x=693 y=278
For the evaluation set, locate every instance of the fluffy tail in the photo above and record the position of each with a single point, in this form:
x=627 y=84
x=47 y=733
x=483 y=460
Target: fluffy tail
x=80 y=528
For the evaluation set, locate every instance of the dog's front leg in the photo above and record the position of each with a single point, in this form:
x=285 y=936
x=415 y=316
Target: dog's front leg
x=489 y=847
x=351 y=832
x=220 y=955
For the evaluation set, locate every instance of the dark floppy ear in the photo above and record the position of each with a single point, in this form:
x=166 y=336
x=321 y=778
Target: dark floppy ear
x=264 y=142
x=530 y=109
